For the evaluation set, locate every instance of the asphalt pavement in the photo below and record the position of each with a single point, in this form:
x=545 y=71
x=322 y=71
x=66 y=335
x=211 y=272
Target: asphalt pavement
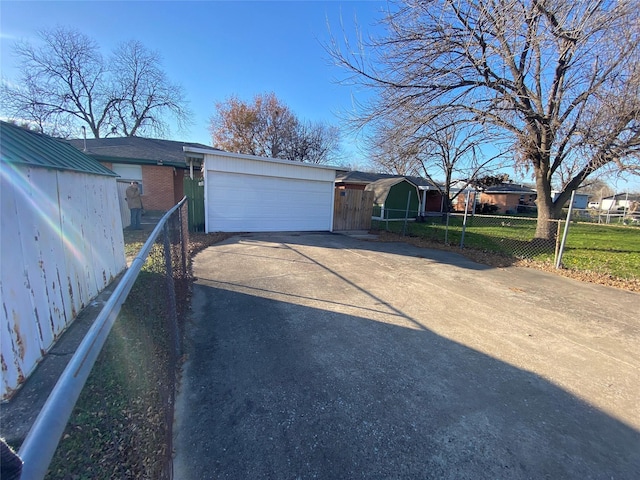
x=320 y=356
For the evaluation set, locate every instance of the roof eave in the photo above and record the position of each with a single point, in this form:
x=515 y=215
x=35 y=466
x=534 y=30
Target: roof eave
x=137 y=161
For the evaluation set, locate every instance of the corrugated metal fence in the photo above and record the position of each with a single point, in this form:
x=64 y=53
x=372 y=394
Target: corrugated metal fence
x=61 y=245
x=125 y=213
x=163 y=257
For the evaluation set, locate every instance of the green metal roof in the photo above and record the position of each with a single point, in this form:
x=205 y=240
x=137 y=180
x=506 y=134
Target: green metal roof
x=21 y=146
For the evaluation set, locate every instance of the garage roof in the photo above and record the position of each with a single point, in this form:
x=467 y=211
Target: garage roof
x=203 y=149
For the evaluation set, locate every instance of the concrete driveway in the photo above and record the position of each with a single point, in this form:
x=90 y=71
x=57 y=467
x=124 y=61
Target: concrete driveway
x=324 y=356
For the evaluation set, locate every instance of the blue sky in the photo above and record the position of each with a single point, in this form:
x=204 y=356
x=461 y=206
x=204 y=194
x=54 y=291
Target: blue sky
x=215 y=49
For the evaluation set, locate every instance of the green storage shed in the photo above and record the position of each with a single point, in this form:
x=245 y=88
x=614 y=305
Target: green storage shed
x=390 y=196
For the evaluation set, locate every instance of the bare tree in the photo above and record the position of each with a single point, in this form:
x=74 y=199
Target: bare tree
x=62 y=78
x=455 y=151
x=388 y=150
x=317 y=143
x=560 y=78
x=446 y=151
x=142 y=95
x=597 y=188
x=65 y=83
x=268 y=128
x=27 y=105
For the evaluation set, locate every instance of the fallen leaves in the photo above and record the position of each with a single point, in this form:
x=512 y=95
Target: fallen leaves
x=500 y=261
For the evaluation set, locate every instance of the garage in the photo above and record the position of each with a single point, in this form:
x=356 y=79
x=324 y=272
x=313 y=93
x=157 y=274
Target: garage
x=244 y=193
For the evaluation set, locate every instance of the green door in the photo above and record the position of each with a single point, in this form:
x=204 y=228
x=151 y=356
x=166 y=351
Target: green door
x=194 y=191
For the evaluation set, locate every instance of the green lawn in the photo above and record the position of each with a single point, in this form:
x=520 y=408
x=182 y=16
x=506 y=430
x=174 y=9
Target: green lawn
x=604 y=249
x=612 y=250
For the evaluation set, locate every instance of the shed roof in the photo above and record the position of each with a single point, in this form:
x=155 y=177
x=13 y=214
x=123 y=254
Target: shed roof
x=21 y=146
x=632 y=197
x=365 y=178
x=137 y=150
x=380 y=188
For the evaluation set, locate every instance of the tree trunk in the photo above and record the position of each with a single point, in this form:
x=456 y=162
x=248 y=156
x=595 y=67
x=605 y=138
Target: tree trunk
x=545 y=228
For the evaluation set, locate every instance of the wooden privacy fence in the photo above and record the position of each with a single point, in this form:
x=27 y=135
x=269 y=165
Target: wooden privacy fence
x=352 y=210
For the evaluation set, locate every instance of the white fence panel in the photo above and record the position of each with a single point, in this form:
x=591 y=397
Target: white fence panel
x=62 y=244
x=125 y=214
x=20 y=338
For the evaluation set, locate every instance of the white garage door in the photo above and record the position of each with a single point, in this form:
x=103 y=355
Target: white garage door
x=240 y=202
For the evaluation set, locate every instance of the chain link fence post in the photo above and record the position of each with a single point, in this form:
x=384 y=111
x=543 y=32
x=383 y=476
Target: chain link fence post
x=566 y=231
x=558 y=237
x=464 y=221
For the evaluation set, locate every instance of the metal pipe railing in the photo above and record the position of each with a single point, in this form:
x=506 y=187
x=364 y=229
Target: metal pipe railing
x=42 y=440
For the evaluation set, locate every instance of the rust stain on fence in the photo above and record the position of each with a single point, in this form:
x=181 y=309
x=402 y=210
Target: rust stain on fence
x=18 y=335
x=69 y=246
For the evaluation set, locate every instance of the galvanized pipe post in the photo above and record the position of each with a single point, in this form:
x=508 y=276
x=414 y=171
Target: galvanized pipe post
x=406 y=214
x=464 y=221
x=446 y=230
x=566 y=231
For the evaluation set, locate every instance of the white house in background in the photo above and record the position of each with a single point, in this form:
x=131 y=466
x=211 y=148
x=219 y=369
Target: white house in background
x=245 y=193
x=620 y=201
x=580 y=200
x=61 y=244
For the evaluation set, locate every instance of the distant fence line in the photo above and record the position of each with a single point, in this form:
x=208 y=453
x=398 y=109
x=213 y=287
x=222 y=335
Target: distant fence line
x=510 y=235
x=606 y=217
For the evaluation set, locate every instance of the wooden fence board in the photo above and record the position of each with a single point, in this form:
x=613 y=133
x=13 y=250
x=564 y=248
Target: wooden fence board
x=352 y=210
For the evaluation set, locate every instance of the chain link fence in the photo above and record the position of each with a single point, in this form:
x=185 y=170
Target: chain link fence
x=121 y=426
x=505 y=235
x=508 y=235
x=611 y=250
x=607 y=217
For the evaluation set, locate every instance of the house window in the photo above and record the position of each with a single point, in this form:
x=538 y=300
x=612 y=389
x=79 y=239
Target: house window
x=129 y=173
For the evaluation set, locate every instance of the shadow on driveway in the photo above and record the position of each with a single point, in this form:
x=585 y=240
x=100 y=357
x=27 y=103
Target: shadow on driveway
x=311 y=360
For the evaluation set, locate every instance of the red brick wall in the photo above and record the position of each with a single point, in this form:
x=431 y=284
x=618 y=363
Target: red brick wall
x=434 y=202
x=459 y=204
x=158 y=187
x=504 y=201
x=178 y=186
x=162 y=186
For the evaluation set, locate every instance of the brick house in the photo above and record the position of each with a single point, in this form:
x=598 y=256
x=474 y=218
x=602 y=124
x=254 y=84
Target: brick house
x=160 y=166
x=508 y=197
